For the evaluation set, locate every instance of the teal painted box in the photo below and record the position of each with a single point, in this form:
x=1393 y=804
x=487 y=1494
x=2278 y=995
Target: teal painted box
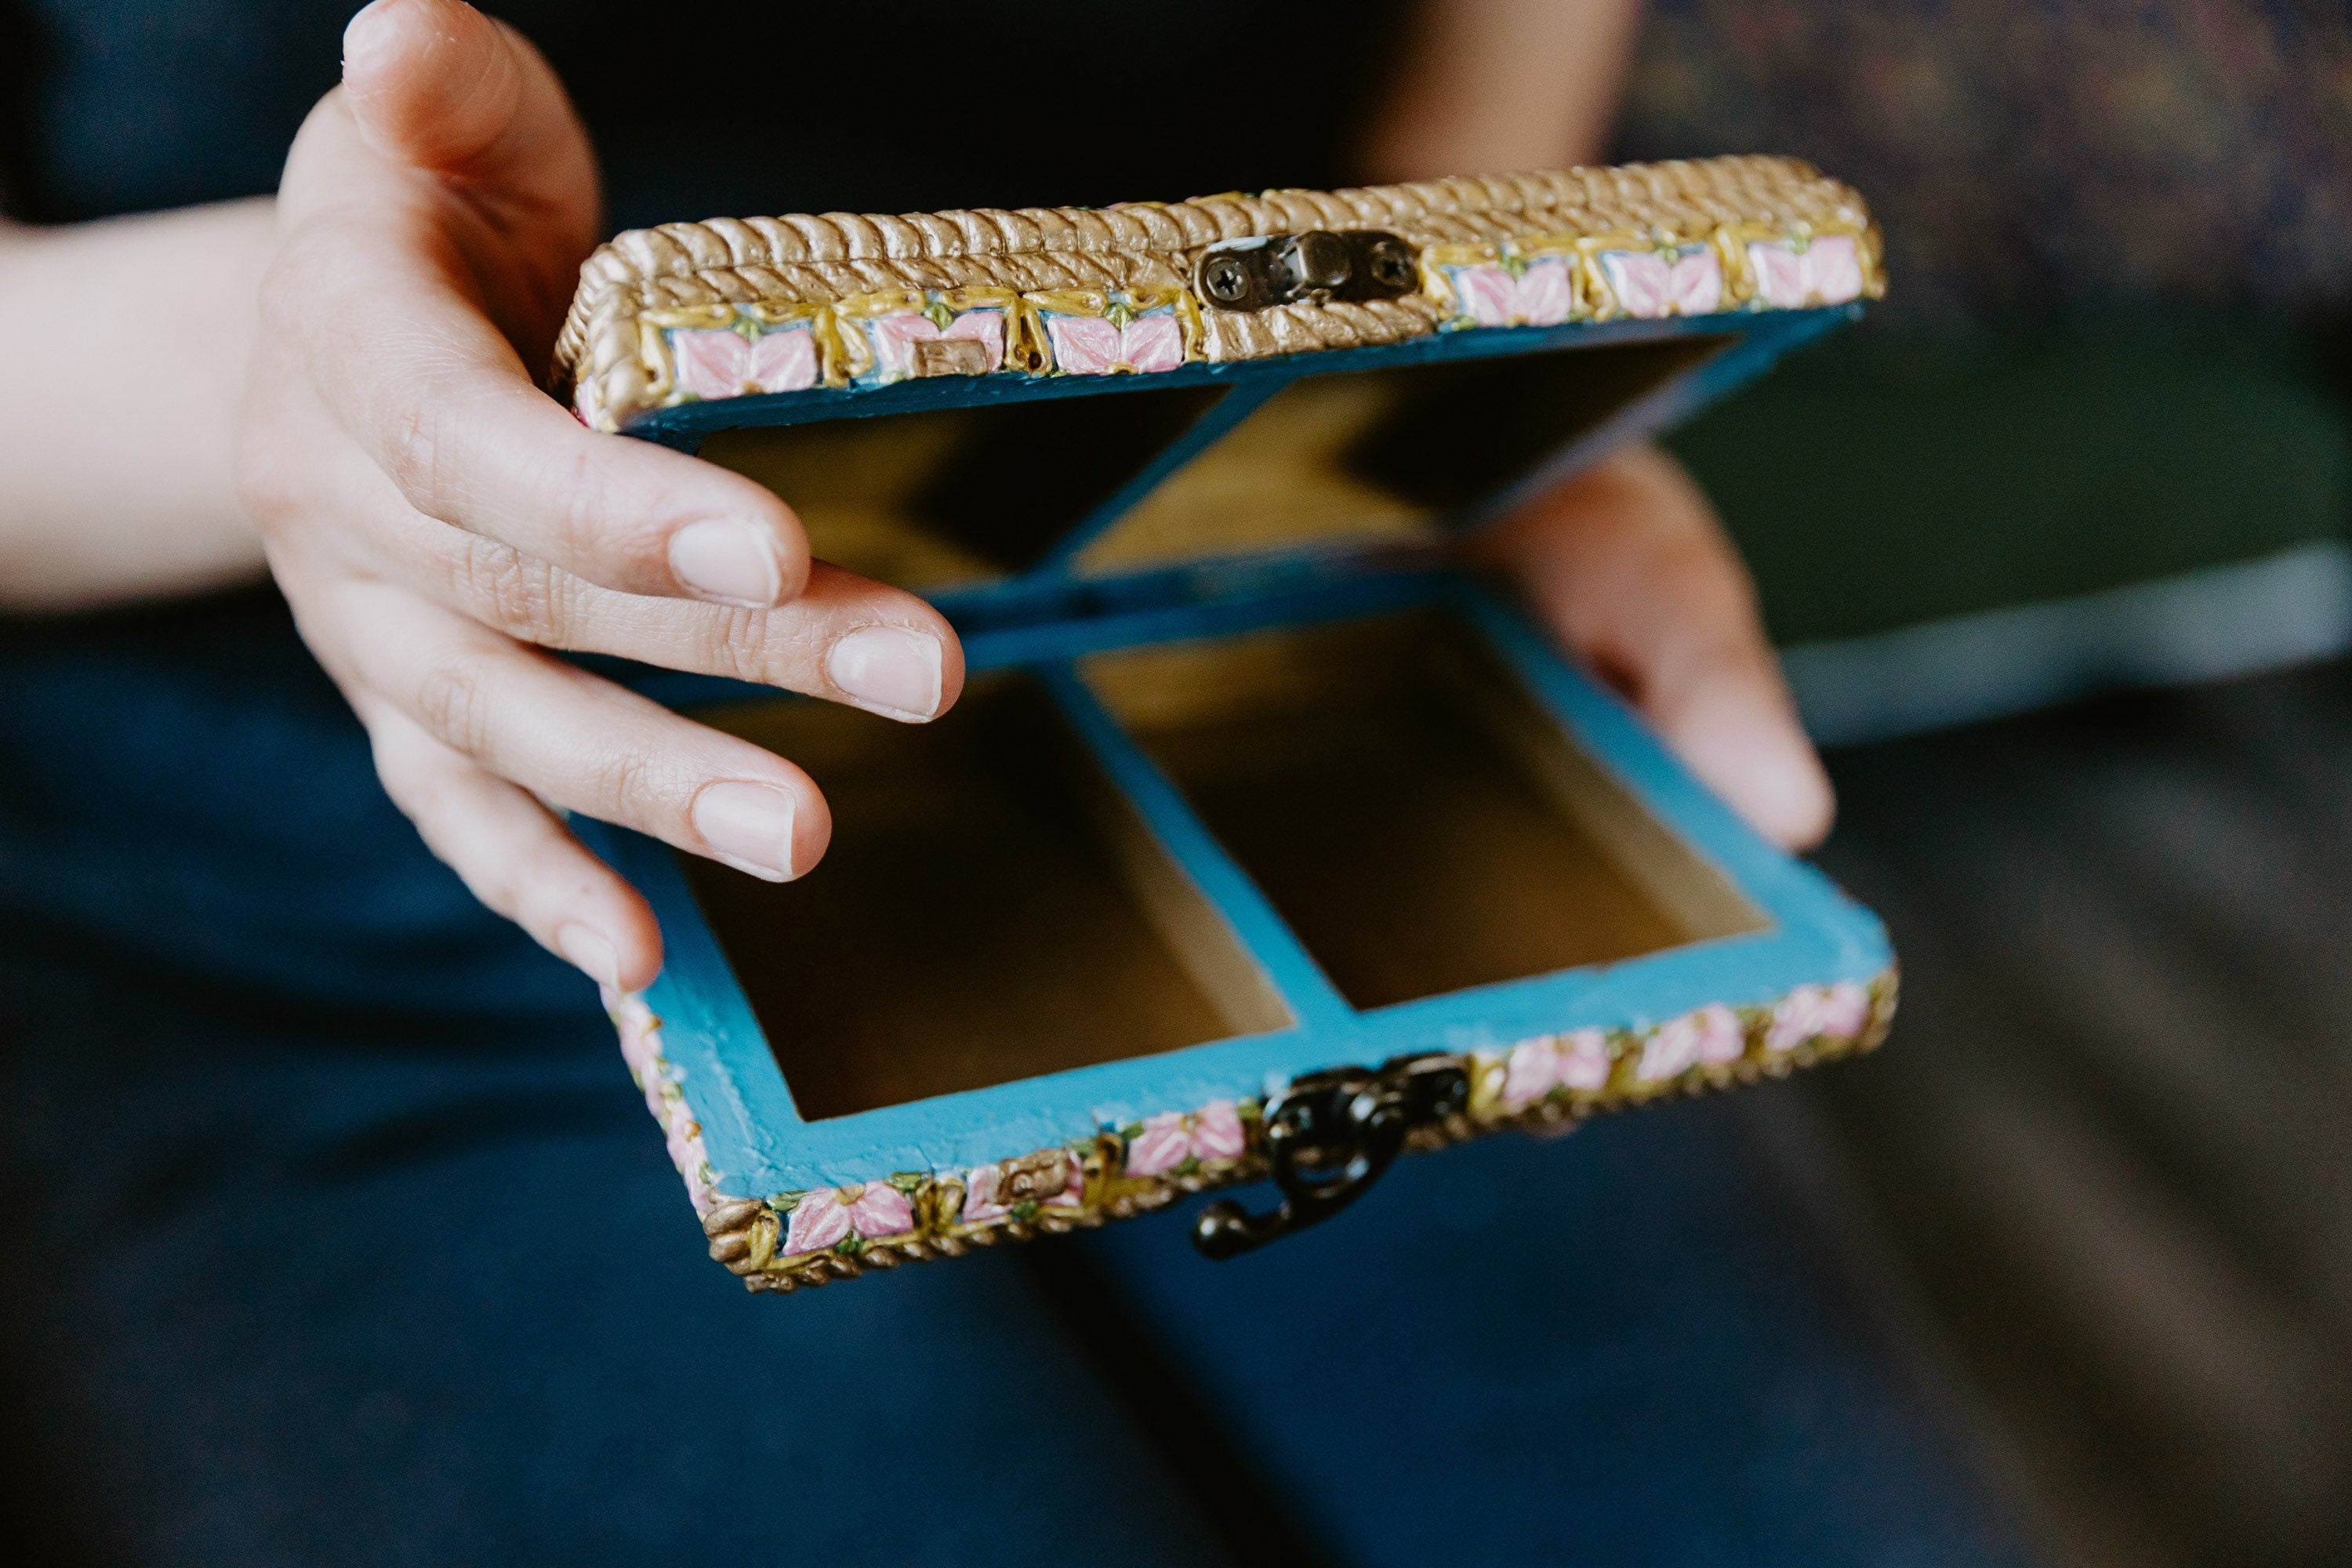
x=1264 y=842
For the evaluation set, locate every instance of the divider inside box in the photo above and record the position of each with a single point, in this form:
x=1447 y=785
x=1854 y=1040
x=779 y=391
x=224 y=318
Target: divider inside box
x=1380 y=457
x=1352 y=460
x=1421 y=823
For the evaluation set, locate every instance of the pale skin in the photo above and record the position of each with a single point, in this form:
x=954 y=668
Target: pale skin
x=346 y=398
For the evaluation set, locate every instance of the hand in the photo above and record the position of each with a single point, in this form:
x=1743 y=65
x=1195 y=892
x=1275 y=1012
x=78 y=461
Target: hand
x=430 y=515
x=1630 y=569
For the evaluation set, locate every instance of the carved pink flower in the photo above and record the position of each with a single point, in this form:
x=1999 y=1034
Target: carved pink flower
x=1826 y=272
x=1095 y=345
x=1542 y=296
x=1712 y=1035
x=1812 y=1012
x=1650 y=284
x=826 y=1215
x=1215 y=1133
x=894 y=337
x=721 y=364
x=1579 y=1060
x=982 y=1200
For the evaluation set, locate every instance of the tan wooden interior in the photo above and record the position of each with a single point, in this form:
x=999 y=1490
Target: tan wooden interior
x=990 y=909
x=1353 y=460
x=1419 y=821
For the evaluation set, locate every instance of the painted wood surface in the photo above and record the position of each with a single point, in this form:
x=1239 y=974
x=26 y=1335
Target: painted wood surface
x=1045 y=619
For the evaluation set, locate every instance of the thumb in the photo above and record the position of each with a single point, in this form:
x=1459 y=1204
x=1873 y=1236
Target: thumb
x=439 y=88
x=1628 y=565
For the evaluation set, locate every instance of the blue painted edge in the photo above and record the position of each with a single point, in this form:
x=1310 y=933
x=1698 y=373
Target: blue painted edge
x=1045 y=621
x=1239 y=402
x=758 y=1146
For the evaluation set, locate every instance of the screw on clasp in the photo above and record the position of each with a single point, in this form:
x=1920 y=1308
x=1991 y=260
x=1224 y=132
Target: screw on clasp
x=1328 y=1137
x=1320 y=264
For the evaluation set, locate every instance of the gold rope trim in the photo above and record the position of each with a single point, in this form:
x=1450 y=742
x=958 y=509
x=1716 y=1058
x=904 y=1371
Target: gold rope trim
x=747 y=1235
x=769 y=265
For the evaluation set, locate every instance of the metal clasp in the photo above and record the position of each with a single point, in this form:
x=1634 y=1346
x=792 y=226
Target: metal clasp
x=1354 y=264
x=1328 y=1137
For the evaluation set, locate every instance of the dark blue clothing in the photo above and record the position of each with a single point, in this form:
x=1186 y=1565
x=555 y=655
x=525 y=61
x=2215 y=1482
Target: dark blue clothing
x=332 y=1231
x=284 y=1285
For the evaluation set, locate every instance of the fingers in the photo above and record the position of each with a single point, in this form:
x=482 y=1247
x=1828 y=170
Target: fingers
x=514 y=857
x=1628 y=565
x=399 y=301
x=437 y=86
x=434 y=395
x=437 y=398
x=458 y=144
x=574 y=740
x=846 y=639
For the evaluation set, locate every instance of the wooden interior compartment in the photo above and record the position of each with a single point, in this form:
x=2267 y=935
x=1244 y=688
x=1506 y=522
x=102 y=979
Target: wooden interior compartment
x=991 y=910
x=1383 y=458
x=957 y=496
x=948 y=497
x=1422 y=824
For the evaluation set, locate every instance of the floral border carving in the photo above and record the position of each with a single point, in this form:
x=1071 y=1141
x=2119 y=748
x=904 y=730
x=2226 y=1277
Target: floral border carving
x=689 y=353
x=787 y=1240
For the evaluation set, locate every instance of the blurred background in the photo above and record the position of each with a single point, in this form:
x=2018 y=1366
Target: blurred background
x=2055 y=546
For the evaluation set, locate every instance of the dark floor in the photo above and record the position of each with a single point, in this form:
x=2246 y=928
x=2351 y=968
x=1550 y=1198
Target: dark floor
x=2112 y=1134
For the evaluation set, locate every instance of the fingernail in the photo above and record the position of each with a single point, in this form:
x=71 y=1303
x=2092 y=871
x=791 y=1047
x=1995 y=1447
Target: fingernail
x=589 y=953
x=366 y=37
x=730 y=561
x=749 y=825
x=889 y=669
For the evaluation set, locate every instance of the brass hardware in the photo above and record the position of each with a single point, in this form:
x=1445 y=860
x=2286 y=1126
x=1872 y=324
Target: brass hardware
x=1328 y=1137
x=1320 y=264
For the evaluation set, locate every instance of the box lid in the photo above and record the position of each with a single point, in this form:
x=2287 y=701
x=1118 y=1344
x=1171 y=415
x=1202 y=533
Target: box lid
x=1417 y=355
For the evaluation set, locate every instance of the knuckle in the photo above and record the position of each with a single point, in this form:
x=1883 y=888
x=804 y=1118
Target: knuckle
x=629 y=780
x=732 y=643
x=410 y=449
x=452 y=702
x=578 y=516
x=766 y=647
x=599 y=523
x=501 y=587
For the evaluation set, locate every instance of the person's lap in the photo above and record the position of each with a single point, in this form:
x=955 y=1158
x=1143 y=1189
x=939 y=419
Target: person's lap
x=1627 y=1346
x=355 y=1243
x=320 y=1297
x=429 y=1291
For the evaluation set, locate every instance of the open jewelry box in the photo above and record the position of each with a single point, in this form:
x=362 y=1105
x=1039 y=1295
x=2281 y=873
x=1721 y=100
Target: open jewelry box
x=1263 y=840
